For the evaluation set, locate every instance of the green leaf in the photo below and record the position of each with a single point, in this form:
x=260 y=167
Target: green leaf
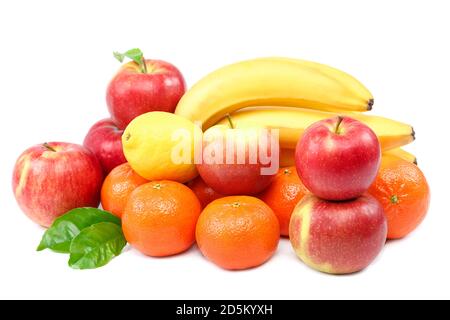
x=119 y=56
x=134 y=54
x=95 y=246
x=59 y=236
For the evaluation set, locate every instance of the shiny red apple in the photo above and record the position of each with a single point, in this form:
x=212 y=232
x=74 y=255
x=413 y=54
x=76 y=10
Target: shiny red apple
x=338 y=158
x=52 y=178
x=104 y=139
x=134 y=91
x=338 y=237
x=230 y=172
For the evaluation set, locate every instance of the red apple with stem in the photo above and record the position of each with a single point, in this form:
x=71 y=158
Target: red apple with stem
x=52 y=178
x=338 y=237
x=104 y=139
x=141 y=86
x=238 y=162
x=338 y=158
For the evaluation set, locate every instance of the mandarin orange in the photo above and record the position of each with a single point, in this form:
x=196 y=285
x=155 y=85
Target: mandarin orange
x=160 y=218
x=283 y=195
x=117 y=187
x=238 y=232
x=403 y=191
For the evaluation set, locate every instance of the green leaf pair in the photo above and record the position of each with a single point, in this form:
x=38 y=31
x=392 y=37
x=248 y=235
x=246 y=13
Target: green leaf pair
x=134 y=54
x=92 y=237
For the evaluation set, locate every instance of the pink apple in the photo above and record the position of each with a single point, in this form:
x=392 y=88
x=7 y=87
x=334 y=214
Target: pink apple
x=236 y=177
x=104 y=139
x=338 y=158
x=133 y=92
x=338 y=237
x=52 y=178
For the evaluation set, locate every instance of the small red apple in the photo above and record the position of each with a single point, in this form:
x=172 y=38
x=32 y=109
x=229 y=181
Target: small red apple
x=52 y=178
x=104 y=139
x=204 y=193
x=338 y=158
x=233 y=174
x=338 y=237
x=143 y=86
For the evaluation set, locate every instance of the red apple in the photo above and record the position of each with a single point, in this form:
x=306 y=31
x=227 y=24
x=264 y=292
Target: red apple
x=338 y=158
x=338 y=237
x=204 y=193
x=104 y=139
x=52 y=178
x=233 y=175
x=133 y=92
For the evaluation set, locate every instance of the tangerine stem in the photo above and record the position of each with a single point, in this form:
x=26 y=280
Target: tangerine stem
x=157 y=186
x=236 y=204
x=394 y=199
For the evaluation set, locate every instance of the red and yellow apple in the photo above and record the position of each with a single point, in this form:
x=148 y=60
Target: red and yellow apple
x=338 y=158
x=232 y=162
x=104 y=139
x=52 y=178
x=133 y=92
x=338 y=237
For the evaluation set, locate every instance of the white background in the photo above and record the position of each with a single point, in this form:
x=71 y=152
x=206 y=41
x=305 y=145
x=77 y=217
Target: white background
x=55 y=63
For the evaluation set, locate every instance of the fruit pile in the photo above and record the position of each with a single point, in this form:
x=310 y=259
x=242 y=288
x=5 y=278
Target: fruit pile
x=255 y=151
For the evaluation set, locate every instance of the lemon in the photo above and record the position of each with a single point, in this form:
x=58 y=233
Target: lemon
x=160 y=146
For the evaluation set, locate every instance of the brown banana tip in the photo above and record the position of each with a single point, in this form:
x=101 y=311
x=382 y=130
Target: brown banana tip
x=370 y=104
x=413 y=133
x=415 y=161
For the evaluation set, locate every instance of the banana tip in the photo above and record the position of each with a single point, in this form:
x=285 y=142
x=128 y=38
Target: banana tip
x=370 y=104
x=413 y=133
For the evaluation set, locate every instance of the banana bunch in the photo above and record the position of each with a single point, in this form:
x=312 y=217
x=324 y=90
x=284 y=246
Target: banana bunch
x=272 y=81
x=289 y=95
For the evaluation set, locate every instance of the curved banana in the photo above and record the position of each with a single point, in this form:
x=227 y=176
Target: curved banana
x=287 y=156
x=272 y=81
x=293 y=121
x=403 y=154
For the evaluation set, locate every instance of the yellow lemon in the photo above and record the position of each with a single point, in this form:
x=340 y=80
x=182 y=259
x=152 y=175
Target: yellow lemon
x=160 y=146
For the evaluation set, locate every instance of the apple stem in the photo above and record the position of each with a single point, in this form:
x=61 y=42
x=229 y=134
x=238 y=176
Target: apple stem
x=230 y=121
x=336 y=130
x=48 y=147
x=143 y=65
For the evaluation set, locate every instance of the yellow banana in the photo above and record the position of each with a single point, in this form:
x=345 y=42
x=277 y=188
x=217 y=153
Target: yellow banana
x=272 y=81
x=287 y=156
x=401 y=153
x=293 y=121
